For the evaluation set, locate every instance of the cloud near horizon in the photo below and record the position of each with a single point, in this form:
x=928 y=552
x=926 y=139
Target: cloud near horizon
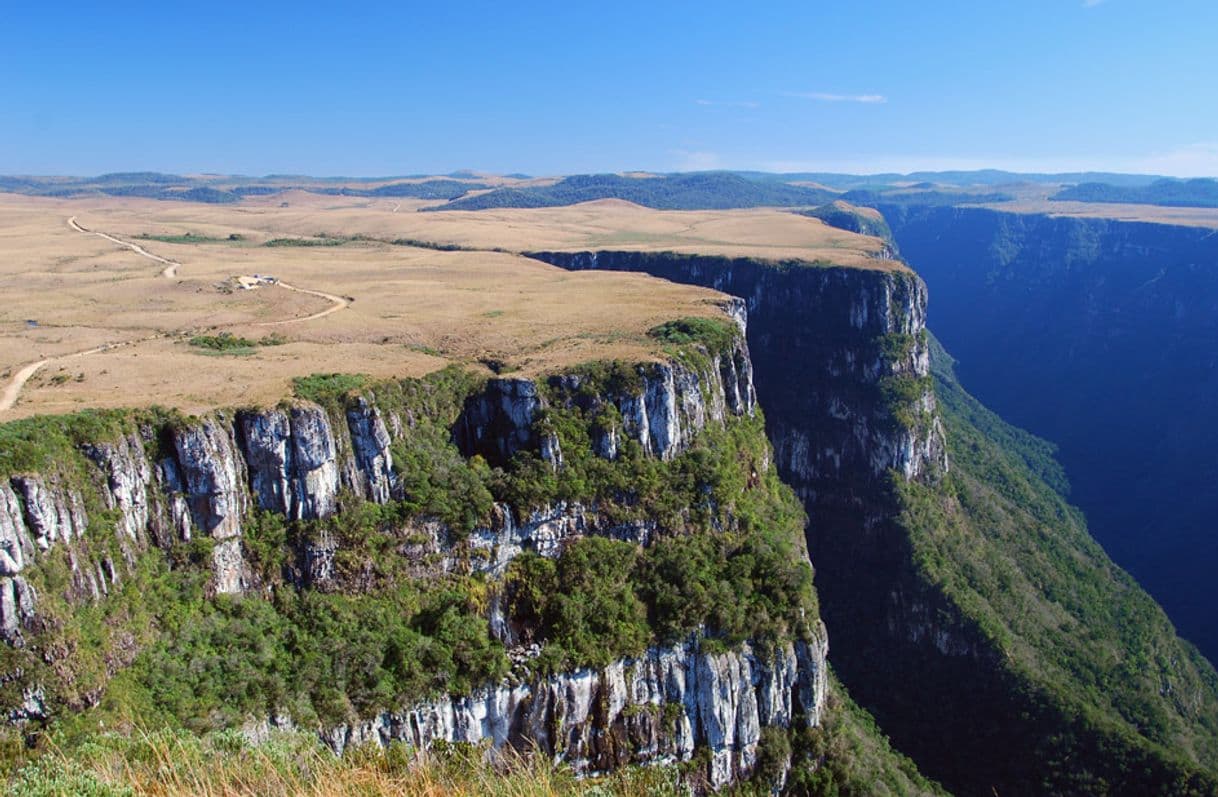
x=825 y=96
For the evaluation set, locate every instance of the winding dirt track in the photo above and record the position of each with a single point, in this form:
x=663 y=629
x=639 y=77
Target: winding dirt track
x=171 y=266
x=19 y=379
x=9 y=397
x=338 y=304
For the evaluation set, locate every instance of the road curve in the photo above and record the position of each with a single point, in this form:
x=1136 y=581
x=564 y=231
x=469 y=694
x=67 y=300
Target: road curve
x=11 y=393
x=171 y=266
x=9 y=397
x=338 y=304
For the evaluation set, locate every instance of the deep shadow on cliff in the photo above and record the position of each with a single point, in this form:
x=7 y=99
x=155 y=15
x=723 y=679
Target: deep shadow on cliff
x=1098 y=335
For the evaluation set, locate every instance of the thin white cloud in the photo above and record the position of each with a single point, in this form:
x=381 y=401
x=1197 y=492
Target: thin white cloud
x=824 y=96
x=1091 y=3
x=729 y=103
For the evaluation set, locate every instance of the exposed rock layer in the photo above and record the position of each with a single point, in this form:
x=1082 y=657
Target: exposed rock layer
x=659 y=707
x=295 y=460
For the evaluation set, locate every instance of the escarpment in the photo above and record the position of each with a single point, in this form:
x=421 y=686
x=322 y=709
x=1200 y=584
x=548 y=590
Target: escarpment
x=503 y=545
x=966 y=601
x=659 y=707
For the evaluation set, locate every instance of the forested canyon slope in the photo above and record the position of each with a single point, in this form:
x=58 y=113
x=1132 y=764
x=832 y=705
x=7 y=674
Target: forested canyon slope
x=1097 y=334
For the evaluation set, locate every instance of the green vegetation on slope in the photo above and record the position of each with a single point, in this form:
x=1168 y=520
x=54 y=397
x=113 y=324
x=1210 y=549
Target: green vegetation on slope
x=1201 y=192
x=1116 y=702
x=388 y=627
x=848 y=755
x=846 y=217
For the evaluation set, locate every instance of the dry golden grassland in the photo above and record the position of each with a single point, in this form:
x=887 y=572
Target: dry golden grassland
x=401 y=310
x=1153 y=214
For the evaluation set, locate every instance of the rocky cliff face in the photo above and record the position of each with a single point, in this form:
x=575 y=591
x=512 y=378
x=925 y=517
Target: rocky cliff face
x=1097 y=335
x=659 y=707
x=294 y=460
x=842 y=366
x=841 y=363
x=200 y=479
x=825 y=344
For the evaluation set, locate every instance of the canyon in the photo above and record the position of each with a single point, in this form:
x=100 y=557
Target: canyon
x=599 y=545
x=1096 y=334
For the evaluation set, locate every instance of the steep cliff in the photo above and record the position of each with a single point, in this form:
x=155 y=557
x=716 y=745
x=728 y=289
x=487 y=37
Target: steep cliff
x=521 y=561
x=1097 y=335
x=969 y=611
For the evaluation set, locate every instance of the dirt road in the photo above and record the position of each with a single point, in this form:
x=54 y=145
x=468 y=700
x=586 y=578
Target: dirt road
x=339 y=304
x=171 y=266
x=11 y=393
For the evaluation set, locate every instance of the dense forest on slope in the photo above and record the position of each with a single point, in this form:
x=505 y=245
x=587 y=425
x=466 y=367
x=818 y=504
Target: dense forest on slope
x=845 y=216
x=1025 y=616
x=1195 y=193
x=1098 y=335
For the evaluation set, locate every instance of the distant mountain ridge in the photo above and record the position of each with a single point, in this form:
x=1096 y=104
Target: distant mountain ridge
x=1201 y=192
x=685 y=191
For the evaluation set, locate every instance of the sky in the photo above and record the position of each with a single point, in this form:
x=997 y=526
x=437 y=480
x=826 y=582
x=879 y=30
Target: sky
x=396 y=88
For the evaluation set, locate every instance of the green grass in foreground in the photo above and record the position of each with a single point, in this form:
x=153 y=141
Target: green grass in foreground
x=171 y=763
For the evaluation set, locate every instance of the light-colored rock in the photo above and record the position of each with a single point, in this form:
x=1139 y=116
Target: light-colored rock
x=658 y=707
x=370 y=441
x=315 y=466
x=128 y=479
x=546 y=531
x=52 y=513
x=266 y=435
x=214 y=474
x=16 y=547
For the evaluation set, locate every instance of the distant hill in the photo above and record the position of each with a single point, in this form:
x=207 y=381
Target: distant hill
x=1197 y=193
x=990 y=177
x=976 y=177
x=218 y=189
x=689 y=191
x=844 y=216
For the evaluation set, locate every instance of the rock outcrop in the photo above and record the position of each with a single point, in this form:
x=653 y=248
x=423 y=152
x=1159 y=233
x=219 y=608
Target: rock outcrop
x=207 y=475
x=817 y=339
x=658 y=707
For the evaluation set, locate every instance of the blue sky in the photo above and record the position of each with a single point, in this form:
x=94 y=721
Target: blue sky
x=376 y=88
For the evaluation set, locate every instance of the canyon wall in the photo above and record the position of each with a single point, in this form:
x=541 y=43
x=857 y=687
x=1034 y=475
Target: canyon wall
x=1099 y=336
x=150 y=487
